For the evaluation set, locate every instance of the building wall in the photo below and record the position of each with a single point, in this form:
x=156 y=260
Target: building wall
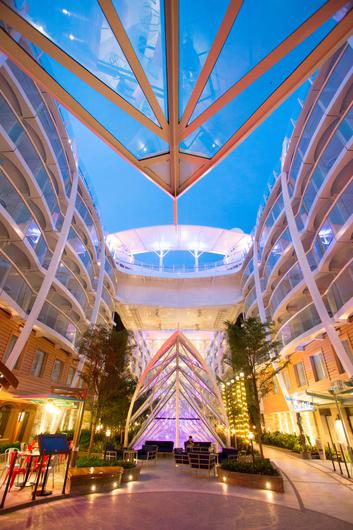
x=39 y=167
x=299 y=272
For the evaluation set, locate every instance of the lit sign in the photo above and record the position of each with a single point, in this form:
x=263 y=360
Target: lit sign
x=301 y=406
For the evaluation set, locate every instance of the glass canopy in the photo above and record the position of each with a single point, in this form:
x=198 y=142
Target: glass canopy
x=173 y=85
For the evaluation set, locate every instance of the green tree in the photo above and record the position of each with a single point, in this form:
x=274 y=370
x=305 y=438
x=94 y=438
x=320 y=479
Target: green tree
x=106 y=372
x=254 y=352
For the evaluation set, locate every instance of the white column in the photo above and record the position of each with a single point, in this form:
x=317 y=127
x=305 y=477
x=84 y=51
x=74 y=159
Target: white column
x=309 y=279
x=95 y=309
x=177 y=397
x=48 y=278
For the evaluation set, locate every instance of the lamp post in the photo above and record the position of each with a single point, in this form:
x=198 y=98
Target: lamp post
x=251 y=437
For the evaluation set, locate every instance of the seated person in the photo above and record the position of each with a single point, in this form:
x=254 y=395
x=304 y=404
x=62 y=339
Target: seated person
x=189 y=444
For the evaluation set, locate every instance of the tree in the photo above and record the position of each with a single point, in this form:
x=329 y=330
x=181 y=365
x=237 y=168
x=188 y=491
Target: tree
x=254 y=352
x=106 y=373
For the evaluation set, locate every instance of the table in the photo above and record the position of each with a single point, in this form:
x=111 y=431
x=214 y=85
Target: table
x=31 y=455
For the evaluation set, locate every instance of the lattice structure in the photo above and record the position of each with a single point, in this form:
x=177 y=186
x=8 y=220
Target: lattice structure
x=177 y=396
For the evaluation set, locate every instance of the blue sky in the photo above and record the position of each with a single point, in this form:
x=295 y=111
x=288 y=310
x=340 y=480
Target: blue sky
x=227 y=197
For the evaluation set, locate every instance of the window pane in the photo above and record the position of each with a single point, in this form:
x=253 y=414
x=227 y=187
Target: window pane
x=38 y=364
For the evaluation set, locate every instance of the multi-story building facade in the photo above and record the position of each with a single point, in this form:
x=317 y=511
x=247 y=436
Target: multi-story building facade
x=299 y=272
x=56 y=274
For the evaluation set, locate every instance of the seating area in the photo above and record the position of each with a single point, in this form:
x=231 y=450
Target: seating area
x=164 y=446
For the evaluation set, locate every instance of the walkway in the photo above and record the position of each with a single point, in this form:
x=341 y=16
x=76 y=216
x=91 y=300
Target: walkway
x=169 y=498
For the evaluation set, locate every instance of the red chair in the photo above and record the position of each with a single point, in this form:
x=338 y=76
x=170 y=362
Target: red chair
x=17 y=470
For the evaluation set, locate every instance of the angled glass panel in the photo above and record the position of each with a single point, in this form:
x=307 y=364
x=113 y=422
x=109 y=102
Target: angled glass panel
x=198 y=25
x=258 y=29
x=139 y=140
x=81 y=30
x=210 y=137
x=143 y=21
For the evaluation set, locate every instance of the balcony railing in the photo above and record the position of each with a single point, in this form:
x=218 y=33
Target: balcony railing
x=46 y=120
x=272 y=217
x=88 y=220
x=341 y=290
x=250 y=299
x=19 y=137
x=81 y=251
x=217 y=266
x=328 y=93
x=285 y=286
x=107 y=298
x=15 y=286
x=67 y=278
x=51 y=317
x=278 y=249
x=300 y=323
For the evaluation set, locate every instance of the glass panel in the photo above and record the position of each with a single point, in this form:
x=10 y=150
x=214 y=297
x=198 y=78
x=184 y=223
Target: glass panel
x=82 y=31
x=198 y=28
x=258 y=29
x=208 y=138
x=139 y=140
x=38 y=363
x=143 y=21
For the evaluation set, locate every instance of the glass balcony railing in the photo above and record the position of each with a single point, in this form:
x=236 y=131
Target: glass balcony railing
x=278 y=249
x=285 y=286
x=51 y=317
x=21 y=140
x=88 y=220
x=67 y=278
x=249 y=269
x=108 y=267
x=328 y=92
x=341 y=290
x=328 y=231
x=273 y=215
x=12 y=201
x=300 y=323
x=46 y=120
x=82 y=252
x=107 y=298
x=15 y=286
x=250 y=299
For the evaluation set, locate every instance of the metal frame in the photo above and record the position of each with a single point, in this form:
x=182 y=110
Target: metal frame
x=172 y=129
x=178 y=347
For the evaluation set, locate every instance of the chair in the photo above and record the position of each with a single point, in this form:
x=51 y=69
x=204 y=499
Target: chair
x=181 y=457
x=110 y=452
x=19 y=469
x=148 y=453
x=8 y=453
x=206 y=461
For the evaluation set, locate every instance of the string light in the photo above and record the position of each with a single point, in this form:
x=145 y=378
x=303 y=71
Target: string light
x=235 y=403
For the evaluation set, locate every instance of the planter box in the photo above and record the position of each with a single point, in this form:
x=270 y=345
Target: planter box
x=132 y=474
x=84 y=480
x=249 y=480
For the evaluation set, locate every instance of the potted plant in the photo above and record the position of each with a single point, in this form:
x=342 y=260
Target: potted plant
x=259 y=474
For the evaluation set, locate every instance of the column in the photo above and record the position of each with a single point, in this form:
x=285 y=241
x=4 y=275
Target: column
x=309 y=279
x=48 y=278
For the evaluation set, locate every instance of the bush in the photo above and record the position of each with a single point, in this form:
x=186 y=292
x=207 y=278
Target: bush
x=94 y=461
x=3 y=448
x=260 y=467
x=284 y=440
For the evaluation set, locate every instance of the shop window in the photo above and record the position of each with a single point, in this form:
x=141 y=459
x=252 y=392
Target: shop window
x=70 y=376
x=318 y=366
x=300 y=374
x=57 y=369
x=38 y=363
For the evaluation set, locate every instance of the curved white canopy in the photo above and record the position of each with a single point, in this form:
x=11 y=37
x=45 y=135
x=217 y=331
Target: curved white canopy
x=178 y=237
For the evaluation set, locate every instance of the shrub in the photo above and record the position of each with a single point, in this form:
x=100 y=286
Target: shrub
x=260 y=467
x=3 y=448
x=93 y=461
x=284 y=440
